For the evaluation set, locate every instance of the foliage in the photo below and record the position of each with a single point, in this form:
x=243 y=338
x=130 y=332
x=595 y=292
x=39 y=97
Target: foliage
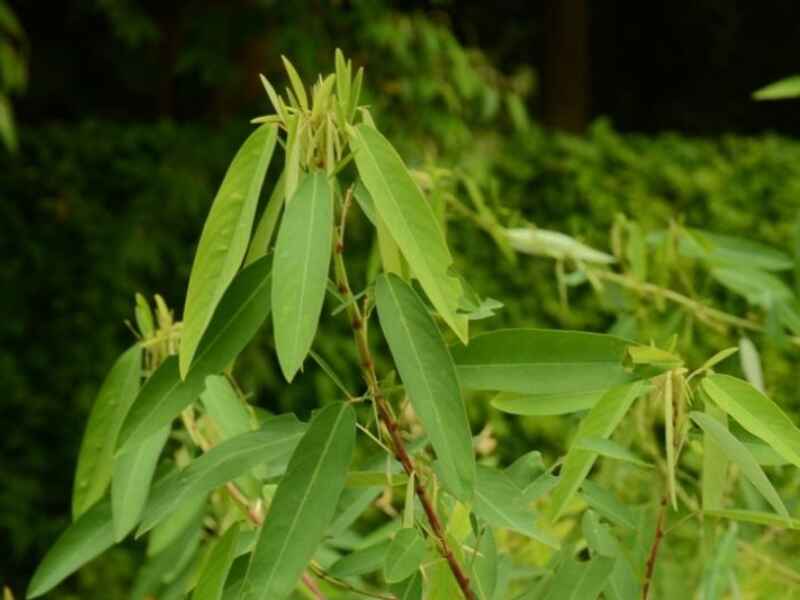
x=303 y=514
x=13 y=72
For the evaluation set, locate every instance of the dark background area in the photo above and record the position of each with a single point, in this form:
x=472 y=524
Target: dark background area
x=134 y=109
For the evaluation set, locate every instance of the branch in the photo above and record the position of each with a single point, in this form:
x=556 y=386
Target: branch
x=650 y=565
x=385 y=414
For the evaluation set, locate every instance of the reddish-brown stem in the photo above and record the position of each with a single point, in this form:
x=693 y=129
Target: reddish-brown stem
x=398 y=447
x=650 y=565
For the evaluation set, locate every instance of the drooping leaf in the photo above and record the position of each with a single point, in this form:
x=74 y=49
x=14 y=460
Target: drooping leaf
x=739 y=454
x=483 y=566
x=542 y=361
x=223 y=242
x=756 y=413
x=300 y=270
x=607 y=504
x=715 y=463
x=163 y=396
x=85 y=539
x=610 y=449
x=211 y=583
x=410 y=221
x=230 y=459
x=262 y=235
x=427 y=370
x=716 y=576
x=362 y=561
x=404 y=555
x=240 y=313
x=96 y=458
x=580 y=580
x=130 y=485
x=753 y=516
x=303 y=505
x=601 y=421
x=501 y=504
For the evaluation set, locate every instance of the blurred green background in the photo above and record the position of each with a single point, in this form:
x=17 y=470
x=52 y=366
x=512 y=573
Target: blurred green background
x=564 y=112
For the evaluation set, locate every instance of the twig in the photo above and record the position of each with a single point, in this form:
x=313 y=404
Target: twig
x=347 y=586
x=384 y=412
x=653 y=554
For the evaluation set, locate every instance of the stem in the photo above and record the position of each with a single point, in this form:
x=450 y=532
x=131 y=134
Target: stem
x=651 y=557
x=385 y=414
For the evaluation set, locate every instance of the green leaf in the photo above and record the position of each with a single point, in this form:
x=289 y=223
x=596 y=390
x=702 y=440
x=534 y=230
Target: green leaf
x=163 y=396
x=362 y=561
x=751 y=363
x=715 y=463
x=546 y=404
x=300 y=270
x=554 y=244
x=130 y=485
x=788 y=87
x=211 y=583
x=580 y=580
x=262 y=236
x=542 y=361
x=610 y=449
x=753 y=516
x=297 y=83
x=758 y=287
x=427 y=370
x=225 y=236
x=381 y=479
x=404 y=555
x=239 y=315
x=411 y=589
x=223 y=463
x=411 y=222
x=601 y=421
x=756 y=413
x=715 y=579
x=607 y=504
x=96 y=458
x=225 y=408
x=738 y=453
x=483 y=566
x=501 y=504
x=88 y=537
x=726 y=250
x=303 y=506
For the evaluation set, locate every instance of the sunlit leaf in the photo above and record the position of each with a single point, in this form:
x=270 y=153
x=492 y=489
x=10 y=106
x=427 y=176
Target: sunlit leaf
x=557 y=245
x=610 y=449
x=225 y=236
x=739 y=454
x=410 y=220
x=780 y=90
x=580 y=580
x=751 y=363
x=226 y=409
x=601 y=421
x=715 y=462
x=300 y=270
x=303 y=505
x=96 y=458
x=427 y=370
x=753 y=516
x=756 y=413
x=546 y=404
x=262 y=235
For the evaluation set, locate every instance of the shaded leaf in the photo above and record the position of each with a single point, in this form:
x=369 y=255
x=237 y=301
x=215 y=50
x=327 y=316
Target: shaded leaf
x=580 y=580
x=211 y=583
x=303 y=505
x=411 y=589
x=362 y=561
x=404 y=555
x=753 y=516
x=300 y=270
x=483 y=566
x=610 y=449
x=427 y=370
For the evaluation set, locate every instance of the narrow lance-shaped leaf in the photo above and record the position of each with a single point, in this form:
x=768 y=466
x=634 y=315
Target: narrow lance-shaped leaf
x=96 y=458
x=300 y=270
x=411 y=222
x=404 y=555
x=601 y=421
x=262 y=235
x=130 y=485
x=715 y=463
x=484 y=566
x=223 y=463
x=364 y=560
x=303 y=506
x=542 y=361
x=738 y=453
x=427 y=370
x=756 y=413
x=88 y=537
x=163 y=396
x=211 y=583
x=223 y=242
